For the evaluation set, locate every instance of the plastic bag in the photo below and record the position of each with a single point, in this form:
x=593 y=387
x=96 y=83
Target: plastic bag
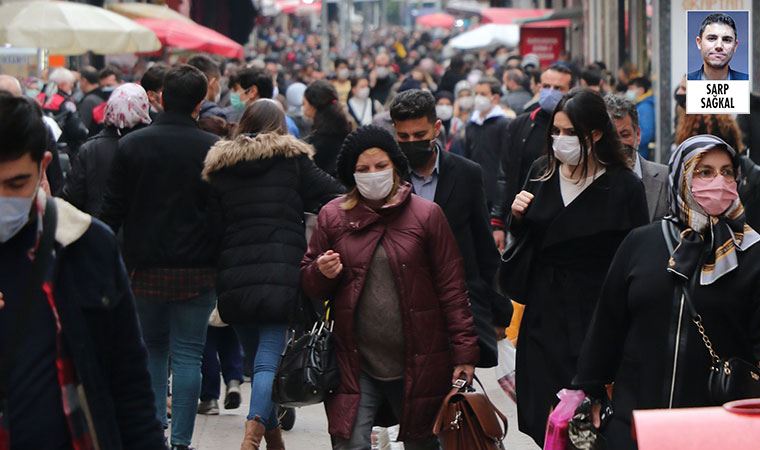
x=556 y=429
x=505 y=371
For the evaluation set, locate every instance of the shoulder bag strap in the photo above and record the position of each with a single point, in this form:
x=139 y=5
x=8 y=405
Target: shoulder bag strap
x=496 y=411
x=685 y=286
x=19 y=323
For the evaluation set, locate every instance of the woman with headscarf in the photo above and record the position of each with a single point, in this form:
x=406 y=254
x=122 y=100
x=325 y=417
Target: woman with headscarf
x=642 y=337
x=127 y=110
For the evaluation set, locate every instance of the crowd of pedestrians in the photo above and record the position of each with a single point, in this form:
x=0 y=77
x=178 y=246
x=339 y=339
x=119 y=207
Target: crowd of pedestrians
x=152 y=239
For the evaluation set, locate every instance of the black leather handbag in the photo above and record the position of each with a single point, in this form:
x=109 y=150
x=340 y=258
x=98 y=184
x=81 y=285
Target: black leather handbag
x=730 y=379
x=308 y=368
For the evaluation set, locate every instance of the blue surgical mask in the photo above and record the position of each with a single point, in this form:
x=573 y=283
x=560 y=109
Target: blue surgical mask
x=14 y=214
x=548 y=99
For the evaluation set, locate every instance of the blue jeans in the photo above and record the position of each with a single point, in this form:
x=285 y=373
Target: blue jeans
x=266 y=342
x=177 y=329
x=221 y=341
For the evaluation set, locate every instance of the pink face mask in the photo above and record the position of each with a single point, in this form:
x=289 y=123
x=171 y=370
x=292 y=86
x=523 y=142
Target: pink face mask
x=714 y=196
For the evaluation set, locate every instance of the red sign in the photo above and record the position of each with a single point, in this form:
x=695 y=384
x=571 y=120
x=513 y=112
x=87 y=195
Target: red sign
x=546 y=43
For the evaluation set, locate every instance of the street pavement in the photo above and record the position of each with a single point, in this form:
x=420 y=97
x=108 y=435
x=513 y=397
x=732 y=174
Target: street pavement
x=225 y=431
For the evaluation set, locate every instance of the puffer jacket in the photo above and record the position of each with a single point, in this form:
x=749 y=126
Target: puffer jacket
x=436 y=320
x=260 y=189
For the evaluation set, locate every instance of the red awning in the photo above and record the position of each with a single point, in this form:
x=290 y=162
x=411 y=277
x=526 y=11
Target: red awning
x=191 y=36
x=557 y=23
x=436 y=20
x=506 y=16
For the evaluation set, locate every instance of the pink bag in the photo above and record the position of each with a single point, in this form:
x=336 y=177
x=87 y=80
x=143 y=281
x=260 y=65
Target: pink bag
x=556 y=428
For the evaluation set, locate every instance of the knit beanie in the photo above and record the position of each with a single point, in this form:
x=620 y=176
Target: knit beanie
x=369 y=136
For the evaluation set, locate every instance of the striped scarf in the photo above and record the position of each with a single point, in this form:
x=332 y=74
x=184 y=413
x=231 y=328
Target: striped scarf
x=71 y=399
x=725 y=235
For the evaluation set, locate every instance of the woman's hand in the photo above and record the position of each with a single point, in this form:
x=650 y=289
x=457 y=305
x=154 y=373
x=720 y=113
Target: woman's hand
x=2 y=301
x=329 y=264
x=521 y=203
x=465 y=371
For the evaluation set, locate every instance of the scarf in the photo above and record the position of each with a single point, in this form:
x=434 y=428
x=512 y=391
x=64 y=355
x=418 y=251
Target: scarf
x=707 y=240
x=127 y=107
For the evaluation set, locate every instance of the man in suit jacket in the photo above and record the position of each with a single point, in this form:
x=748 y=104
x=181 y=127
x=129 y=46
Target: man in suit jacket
x=456 y=185
x=654 y=176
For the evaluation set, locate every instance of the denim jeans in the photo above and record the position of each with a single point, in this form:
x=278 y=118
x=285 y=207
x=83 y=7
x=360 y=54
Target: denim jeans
x=373 y=394
x=177 y=329
x=266 y=342
x=221 y=341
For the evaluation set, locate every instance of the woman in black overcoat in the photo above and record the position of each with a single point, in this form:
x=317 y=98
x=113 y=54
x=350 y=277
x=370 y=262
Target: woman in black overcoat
x=578 y=205
x=330 y=125
x=262 y=181
x=641 y=321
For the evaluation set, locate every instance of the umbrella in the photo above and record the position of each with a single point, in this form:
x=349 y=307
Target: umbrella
x=487 y=36
x=436 y=20
x=191 y=36
x=68 y=28
x=146 y=11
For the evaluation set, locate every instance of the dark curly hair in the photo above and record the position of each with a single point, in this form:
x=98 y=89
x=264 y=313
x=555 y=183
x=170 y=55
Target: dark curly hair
x=413 y=104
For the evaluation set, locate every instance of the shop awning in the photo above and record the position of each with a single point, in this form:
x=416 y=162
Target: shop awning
x=508 y=16
x=191 y=36
x=559 y=23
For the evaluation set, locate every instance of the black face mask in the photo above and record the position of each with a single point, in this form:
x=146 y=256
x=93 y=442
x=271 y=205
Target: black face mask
x=680 y=100
x=417 y=152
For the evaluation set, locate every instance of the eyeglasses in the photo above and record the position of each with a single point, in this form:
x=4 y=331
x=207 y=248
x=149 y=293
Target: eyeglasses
x=708 y=173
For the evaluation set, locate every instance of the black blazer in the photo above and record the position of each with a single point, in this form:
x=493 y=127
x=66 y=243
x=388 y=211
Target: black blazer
x=461 y=195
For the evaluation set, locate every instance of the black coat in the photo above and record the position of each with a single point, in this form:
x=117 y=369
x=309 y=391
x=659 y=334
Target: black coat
x=572 y=248
x=523 y=142
x=99 y=322
x=632 y=338
x=261 y=187
x=327 y=146
x=156 y=193
x=461 y=195
x=86 y=183
x=483 y=145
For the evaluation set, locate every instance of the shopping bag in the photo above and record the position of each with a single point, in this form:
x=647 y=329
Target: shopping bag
x=556 y=429
x=505 y=370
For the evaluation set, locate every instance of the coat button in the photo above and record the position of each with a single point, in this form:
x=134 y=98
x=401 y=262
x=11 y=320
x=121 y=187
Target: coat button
x=106 y=301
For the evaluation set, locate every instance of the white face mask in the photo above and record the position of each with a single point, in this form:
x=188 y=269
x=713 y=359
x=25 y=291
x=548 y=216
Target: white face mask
x=482 y=104
x=343 y=74
x=567 y=149
x=444 y=112
x=382 y=72
x=14 y=214
x=374 y=186
x=362 y=93
x=631 y=95
x=466 y=103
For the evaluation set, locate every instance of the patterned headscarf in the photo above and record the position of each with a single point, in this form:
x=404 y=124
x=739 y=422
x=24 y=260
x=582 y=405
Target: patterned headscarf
x=725 y=235
x=127 y=107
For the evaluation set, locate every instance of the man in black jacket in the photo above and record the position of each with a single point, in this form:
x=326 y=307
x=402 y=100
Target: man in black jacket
x=210 y=106
x=523 y=142
x=482 y=133
x=156 y=193
x=456 y=185
x=73 y=365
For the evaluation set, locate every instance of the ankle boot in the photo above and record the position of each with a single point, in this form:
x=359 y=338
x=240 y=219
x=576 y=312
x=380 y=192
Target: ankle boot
x=274 y=440
x=254 y=432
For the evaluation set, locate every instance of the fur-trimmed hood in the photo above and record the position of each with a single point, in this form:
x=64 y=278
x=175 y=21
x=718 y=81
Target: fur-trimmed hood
x=228 y=153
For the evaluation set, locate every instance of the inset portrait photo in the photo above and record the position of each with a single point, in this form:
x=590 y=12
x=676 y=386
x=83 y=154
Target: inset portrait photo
x=719 y=66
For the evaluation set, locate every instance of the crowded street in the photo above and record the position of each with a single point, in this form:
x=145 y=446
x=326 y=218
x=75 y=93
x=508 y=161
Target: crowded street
x=379 y=225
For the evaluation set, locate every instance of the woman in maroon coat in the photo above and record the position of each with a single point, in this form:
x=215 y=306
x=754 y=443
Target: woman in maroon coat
x=388 y=261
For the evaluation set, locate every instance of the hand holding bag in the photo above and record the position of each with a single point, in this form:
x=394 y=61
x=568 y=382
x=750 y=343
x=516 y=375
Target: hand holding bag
x=468 y=420
x=730 y=379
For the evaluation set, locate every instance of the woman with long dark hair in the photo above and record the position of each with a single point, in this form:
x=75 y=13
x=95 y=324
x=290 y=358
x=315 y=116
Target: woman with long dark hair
x=579 y=203
x=330 y=123
x=262 y=180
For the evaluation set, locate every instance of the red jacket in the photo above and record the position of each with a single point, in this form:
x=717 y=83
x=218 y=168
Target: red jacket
x=437 y=322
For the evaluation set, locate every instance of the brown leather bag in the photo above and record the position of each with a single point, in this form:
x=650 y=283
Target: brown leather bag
x=468 y=420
